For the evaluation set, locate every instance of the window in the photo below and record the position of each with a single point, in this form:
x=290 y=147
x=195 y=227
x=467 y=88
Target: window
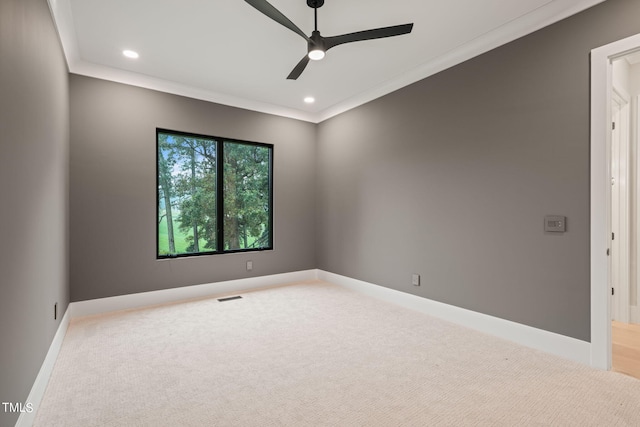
x=215 y=195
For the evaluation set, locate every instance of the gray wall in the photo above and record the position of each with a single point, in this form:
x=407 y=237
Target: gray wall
x=452 y=176
x=34 y=129
x=449 y=178
x=113 y=189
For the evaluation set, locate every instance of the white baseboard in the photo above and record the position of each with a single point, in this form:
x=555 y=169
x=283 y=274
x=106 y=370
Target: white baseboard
x=560 y=345
x=144 y=299
x=26 y=419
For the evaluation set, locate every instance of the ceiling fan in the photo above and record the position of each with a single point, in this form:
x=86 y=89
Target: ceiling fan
x=317 y=45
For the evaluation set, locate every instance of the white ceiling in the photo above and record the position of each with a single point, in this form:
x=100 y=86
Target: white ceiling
x=225 y=51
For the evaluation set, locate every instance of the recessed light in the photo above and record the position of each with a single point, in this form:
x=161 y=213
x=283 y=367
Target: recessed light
x=309 y=100
x=130 y=54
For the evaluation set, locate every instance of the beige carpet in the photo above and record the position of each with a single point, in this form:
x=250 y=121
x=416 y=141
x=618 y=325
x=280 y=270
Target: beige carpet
x=315 y=354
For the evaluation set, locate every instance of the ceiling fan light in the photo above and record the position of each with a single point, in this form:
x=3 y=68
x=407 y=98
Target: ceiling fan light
x=130 y=54
x=316 y=54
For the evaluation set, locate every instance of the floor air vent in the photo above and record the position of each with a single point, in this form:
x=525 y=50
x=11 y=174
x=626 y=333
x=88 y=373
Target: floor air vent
x=229 y=298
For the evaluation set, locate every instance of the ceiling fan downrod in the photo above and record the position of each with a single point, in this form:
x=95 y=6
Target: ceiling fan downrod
x=315 y=4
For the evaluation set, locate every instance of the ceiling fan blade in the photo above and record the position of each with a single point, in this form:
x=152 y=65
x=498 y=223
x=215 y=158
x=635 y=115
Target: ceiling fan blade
x=298 y=69
x=378 y=33
x=266 y=8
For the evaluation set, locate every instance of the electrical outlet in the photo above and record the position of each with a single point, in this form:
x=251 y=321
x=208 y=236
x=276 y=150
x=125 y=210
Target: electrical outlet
x=249 y=265
x=415 y=280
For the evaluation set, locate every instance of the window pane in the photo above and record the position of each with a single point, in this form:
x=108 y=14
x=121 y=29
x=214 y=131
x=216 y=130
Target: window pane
x=186 y=194
x=247 y=198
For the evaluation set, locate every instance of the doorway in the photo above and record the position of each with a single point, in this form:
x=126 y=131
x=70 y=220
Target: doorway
x=624 y=220
x=613 y=199
x=621 y=194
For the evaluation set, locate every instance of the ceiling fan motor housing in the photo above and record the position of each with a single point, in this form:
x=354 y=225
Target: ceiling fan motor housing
x=315 y=3
x=316 y=42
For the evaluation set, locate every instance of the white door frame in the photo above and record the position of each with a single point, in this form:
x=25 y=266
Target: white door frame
x=601 y=95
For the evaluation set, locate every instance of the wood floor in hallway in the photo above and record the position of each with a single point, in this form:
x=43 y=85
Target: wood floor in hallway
x=626 y=348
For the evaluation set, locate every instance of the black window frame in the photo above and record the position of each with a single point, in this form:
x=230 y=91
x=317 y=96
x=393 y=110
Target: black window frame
x=220 y=141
